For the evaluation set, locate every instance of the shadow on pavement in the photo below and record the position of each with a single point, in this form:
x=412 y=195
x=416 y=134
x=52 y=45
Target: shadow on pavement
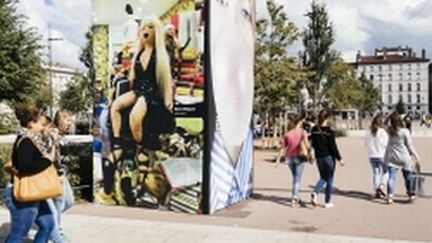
x=284 y=201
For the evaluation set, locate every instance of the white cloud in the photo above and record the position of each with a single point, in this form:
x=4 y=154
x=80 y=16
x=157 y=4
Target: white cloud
x=68 y=20
x=368 y=24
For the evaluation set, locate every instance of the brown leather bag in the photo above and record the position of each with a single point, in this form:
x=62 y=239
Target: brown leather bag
x=35 y=187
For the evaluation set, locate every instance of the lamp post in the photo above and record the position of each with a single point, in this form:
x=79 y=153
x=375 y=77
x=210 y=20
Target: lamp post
x=51 y=39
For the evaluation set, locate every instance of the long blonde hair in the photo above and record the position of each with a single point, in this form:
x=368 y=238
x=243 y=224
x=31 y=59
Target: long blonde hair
x=163 y=71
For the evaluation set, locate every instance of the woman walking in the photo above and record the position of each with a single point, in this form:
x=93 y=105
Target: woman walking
x=292 y=142
x=400 y=153
x=376 y=143
x=27 y=158
x=326 y=154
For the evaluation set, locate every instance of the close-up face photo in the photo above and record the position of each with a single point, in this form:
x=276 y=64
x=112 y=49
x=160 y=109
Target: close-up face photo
x=147 y=33
x=232 y=55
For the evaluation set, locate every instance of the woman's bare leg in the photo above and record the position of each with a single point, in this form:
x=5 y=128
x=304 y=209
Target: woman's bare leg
x=123 y=101
x=136 y=118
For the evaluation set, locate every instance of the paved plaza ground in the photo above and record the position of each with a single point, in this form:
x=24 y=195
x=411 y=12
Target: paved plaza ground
x=268 y=215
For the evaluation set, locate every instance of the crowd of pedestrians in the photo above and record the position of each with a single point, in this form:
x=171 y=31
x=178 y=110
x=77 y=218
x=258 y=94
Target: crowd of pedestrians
x=388 y=142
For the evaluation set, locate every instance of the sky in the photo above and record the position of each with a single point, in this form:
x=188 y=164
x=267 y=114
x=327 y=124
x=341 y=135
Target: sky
x=69 y=20
x=360 y=25
x=367 y=24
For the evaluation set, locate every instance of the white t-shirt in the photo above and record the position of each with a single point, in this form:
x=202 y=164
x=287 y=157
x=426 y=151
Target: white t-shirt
x=376 y=145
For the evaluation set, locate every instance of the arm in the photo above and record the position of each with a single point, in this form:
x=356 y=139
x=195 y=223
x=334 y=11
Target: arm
x=29 y=159
x=334 y=148
x=168 y=96
x=410 y=146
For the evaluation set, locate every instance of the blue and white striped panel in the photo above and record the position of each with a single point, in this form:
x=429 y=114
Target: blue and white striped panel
x=228 y=184
x=242 y=186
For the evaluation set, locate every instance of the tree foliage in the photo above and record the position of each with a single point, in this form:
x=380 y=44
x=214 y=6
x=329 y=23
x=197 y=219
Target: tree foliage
x=21 y=74
x=76 y=98
x=318 y=38
x=79 y=93
x=275 y=72
x=400 y=107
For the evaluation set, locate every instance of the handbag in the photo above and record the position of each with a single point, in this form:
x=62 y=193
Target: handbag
x=417 y=182
x=304 y=154
x=35 y=187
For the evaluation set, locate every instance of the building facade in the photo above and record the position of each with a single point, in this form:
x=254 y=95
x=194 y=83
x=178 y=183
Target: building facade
x=400 y=75
x=60 y=77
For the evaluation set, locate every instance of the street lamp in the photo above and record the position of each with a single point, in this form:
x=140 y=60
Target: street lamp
x=51 y=39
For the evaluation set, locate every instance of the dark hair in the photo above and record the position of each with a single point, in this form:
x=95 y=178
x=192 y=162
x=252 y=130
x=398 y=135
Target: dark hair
x=323 y=115
x=294 y=121
x=377 y=122
x=395 y=123
x=25 y=115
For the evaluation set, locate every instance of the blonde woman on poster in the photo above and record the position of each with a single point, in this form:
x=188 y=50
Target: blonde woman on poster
x=151 y=92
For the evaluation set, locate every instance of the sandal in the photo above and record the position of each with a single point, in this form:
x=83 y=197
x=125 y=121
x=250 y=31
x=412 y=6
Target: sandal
x=116 y=145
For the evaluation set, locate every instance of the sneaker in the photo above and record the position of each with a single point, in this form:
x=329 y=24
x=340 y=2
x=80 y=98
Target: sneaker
x=328 y=205
x=411 y=198
x=314 y=199
x=390 y=200
x=380 y=191
x=295 y=202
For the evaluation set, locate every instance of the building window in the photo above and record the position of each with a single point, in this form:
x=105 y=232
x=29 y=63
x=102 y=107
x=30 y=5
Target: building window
x=371 y=77
x=390 y=101
x=380 y=68
x=380 y=87
x=418 y=98
x=409 y=87
x=409 y=107
x=409 y=66
x=418 y=66
x=390 y=67
x=390 y=77
x=400 y=76
x=400 y=66
x=380 y=77
x=400 y=87
x=418 y=87
x=418 y=108
x=409 y=98
x=409 y=76
x=371 y=68
x=418 y=76
x=364 y=68
x=389 y=88
x=400 y=98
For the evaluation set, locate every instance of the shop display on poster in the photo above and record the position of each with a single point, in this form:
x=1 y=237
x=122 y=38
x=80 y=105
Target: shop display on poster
x=150 y=114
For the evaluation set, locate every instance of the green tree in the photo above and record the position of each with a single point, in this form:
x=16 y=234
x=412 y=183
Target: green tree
x=370 y=98
x=400 y=107
x=76 y=97
x=275 y=71
x=318 y=38
x=79 y=93
x=21 y=73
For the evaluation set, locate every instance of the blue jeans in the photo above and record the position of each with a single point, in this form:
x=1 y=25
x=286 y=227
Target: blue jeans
x=297 y=167
x=23 y=215
x=407 y=175
x=326 y=167
x=378 y=171
x=55 y=233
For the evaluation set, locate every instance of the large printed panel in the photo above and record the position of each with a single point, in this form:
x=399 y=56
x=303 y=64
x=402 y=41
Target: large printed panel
x=149 y=110
x=231 y=97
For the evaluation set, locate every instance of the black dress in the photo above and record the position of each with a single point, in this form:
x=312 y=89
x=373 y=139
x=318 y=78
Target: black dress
x=158 y=119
